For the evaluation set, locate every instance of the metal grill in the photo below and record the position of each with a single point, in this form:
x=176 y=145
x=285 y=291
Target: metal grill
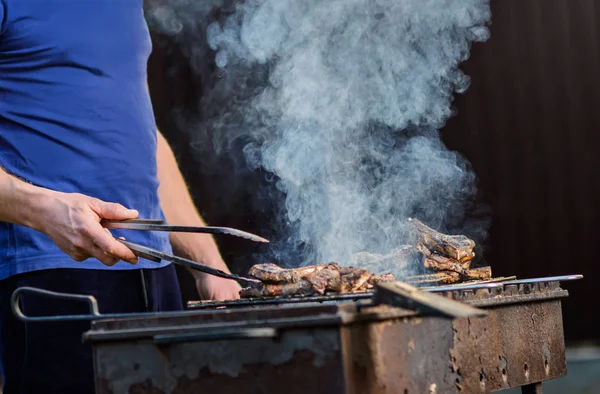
x=356 y=297
x=340 y=346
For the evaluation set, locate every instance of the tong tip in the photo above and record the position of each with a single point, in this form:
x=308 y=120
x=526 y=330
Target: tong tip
x=249 y=236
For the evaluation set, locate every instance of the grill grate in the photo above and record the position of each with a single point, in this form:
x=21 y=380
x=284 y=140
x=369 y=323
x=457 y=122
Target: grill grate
x=492 y=284
x=330 y=298
x=245 y=302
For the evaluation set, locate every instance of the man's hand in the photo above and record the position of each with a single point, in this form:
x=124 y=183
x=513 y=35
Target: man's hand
x=72 y=221
x=212 y=287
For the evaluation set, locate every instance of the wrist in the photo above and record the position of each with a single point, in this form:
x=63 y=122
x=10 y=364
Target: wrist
x=35 y=205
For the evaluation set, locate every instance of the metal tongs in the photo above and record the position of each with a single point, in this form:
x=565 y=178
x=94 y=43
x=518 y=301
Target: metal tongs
x=160 y=225
x=157 y=255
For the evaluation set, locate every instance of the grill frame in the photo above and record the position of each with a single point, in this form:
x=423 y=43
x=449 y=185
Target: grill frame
x=340 y=347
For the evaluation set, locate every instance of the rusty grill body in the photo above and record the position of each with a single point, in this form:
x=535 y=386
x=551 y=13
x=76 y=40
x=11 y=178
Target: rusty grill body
x=337 y=346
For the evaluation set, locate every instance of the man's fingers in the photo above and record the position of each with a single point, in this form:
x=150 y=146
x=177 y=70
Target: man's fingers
x=79 y=255
x=112 y=211
x=103 y=257
x=111 y=246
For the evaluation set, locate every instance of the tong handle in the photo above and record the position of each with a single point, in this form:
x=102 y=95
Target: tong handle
x=160 y=225
x=138 y=250
x=145 y=255
x=134 y=221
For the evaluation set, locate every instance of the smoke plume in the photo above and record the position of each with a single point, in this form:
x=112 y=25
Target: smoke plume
x=341 y=101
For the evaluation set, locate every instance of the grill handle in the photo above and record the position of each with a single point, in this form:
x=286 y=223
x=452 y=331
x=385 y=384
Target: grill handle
x=91 y=300
x=160 y=339
x=215 y=335
x=16 y=308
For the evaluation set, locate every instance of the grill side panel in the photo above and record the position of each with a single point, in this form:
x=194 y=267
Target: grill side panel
x=299 y=362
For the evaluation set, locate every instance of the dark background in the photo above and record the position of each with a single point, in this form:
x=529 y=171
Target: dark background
x=528 y=124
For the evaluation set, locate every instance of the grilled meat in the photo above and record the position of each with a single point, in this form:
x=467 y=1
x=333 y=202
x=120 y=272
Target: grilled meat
x=450 y=277
x=353 y=280
x=438 y=278
x=323 y=279
x=299 y=288
x=457 y=247
x=275 y=274
x=482 y=273
x=387 y=277
x=441 y=263
x=449 y=255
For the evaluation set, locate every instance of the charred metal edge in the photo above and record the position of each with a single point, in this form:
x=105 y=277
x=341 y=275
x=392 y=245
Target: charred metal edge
x=198 y=305
x=152 y=332
x=346 y=314
x=458 y=294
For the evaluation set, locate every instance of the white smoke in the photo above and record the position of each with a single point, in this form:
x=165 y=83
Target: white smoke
x=351 y=94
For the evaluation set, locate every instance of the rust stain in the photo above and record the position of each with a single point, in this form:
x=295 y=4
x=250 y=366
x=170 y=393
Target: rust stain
x=129 y=364
x=547 y=355
x=289 y=377
x=482 y=380
x=514 y=344
x=503 y=368
x=367 y=354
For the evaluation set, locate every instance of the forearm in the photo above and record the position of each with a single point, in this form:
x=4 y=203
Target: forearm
x=71 y=220
x=179 y=208
x=20 y=202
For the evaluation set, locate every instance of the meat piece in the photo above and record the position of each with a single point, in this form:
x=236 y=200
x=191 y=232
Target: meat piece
x=445 y=265
x=438 y=262
x=324 y=279
x=299 y=288
x=467 y=259
x=387 y=277
x=483 y=273
x=272 y=273
x=450 y=277
x=374 y=279
x=457 y=247
x=354 y=280
x=442 y=277
x=442 y=263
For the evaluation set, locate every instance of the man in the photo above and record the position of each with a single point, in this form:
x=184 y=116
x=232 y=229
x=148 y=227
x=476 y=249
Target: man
x=78 y=143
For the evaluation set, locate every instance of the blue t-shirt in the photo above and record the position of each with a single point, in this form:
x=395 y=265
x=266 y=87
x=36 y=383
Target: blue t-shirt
x=76 y=116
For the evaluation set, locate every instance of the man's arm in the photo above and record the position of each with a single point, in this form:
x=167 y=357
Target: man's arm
x=179 y=209
x=71 y=220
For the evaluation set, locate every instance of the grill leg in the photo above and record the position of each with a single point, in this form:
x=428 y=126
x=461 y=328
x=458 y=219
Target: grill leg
x=534 y=388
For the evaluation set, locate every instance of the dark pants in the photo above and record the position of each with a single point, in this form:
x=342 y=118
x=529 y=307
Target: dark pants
x=51 y=357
